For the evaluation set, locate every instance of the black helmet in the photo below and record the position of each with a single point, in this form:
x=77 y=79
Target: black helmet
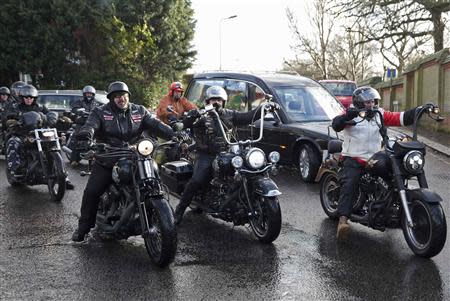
x=16 y=86
x=216 y=92
x=117 y=87
x=28 y=90
x=4 y=91
x=363 y=94
x=88 y=89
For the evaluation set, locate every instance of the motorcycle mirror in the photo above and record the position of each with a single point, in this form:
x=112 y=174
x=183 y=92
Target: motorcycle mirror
x=208 y=108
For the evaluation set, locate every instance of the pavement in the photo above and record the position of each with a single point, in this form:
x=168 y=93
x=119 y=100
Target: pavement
x=439 y=143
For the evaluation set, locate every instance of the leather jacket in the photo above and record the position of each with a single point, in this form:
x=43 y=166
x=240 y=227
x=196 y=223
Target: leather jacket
x=208 y=136
x=89 y=105
x=116 y=127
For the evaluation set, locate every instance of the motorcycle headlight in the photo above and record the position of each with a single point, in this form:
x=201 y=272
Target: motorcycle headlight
x=255 y=158
x=274 y=157
x=48 y=135
x=413 y=162
x=145 y=147
x=237 y=162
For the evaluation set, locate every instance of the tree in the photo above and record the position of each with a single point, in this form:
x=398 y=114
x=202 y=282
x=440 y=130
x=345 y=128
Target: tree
x=387 y=18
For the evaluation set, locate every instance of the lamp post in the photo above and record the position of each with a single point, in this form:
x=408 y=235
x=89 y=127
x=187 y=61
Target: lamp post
x=220 y=38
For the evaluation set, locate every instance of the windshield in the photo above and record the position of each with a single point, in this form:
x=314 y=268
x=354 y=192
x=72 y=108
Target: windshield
x=304 y=103
x=340 y=89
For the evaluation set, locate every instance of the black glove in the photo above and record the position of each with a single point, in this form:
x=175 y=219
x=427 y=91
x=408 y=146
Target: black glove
x=351 y=113
x=274 y=106
x=193 y=114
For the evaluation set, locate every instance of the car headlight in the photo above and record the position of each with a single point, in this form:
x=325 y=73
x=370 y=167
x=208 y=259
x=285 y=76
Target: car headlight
x=237 y=162
x=274 y=157
x=145 y=147
x=413 y=161
x=255 y=158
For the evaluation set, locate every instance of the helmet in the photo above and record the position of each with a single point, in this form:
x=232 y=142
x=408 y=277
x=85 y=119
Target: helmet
x=4 y=91
x=28 y=90
x=117 y=87
x=16 y=86
x=216 y=92
x=363 y=94
x=88 y=89
x=175 y=86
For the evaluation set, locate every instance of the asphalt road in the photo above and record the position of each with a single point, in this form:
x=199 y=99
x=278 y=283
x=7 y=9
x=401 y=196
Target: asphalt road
x=215 y=261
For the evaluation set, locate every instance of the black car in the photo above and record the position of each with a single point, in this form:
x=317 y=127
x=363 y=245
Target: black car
x=306 y=112
x=61 y=100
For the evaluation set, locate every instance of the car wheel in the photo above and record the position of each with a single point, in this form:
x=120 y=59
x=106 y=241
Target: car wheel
x=308 y=163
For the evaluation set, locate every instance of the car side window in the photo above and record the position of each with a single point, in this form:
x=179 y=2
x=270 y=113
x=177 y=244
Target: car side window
x=257 y=96
x=197 y=90
x=237 y=95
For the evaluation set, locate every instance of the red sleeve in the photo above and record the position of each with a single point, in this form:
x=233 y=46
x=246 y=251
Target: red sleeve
x=392 y=118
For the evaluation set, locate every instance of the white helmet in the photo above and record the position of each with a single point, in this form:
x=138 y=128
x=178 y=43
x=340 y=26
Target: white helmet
x=216 y=92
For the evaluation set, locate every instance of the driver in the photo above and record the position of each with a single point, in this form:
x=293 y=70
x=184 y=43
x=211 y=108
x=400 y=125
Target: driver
x=361 y=140
x=209 y=141
x=116 y=123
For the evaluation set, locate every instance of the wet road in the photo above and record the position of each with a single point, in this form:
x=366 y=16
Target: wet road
x=214 y=260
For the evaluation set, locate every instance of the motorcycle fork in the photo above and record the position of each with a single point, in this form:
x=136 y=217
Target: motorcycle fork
x=247 y=197
x=402 y=191
x=145 y=226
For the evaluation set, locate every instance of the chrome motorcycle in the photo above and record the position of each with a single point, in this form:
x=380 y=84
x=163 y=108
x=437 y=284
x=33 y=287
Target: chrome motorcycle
x=241 y=190
x=387 y=196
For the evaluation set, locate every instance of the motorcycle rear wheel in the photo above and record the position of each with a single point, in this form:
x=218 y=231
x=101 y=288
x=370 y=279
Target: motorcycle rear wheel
x=161 y=243
x=266 y=223
x=56 y=182
x=427 y=237
x=329 y=194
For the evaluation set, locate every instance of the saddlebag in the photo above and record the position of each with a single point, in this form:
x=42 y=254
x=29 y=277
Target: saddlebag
x=175 y=175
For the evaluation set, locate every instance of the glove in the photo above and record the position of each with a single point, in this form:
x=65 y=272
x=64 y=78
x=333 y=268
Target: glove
x=193 y=114
x=351 y=113
x=65 y=119
x=83 y=136
x=274 y=106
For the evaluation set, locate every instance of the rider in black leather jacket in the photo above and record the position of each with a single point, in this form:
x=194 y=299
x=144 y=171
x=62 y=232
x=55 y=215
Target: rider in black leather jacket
x=209 y=141
x=116 y=123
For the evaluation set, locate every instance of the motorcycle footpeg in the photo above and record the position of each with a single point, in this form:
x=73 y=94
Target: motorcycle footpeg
x=85 y=173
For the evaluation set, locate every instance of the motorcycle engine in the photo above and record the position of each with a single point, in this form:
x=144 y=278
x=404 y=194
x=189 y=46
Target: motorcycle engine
x=222 y=166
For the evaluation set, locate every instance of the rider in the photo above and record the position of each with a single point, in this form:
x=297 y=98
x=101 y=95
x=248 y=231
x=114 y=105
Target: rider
x=15 y=90
x=88 y=103
x=4 y=97
x=27 y=103
x=116 y=123
x=361 y=140
x=179 y=104
x=209 y=141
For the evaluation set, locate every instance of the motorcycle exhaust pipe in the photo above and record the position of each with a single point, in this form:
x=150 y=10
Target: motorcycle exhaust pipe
x=66 y=149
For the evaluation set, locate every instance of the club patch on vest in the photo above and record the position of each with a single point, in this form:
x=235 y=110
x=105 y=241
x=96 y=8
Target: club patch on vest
x=136 y=118
x=108 y=117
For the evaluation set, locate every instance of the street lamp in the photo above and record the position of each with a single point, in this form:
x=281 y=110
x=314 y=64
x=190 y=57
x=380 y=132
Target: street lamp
x=220 y=38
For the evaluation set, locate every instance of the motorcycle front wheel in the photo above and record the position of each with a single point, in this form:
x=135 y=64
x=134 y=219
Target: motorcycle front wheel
x=427 y=237
x=56 y=181
x=266 y=220
x=161 y=242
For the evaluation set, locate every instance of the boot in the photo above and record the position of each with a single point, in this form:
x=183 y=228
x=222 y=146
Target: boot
x=179 y=211
x=343 y=228
x=78 y=235
x=69 y=185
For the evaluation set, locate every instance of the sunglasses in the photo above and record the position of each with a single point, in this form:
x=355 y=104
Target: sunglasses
x=25 y=97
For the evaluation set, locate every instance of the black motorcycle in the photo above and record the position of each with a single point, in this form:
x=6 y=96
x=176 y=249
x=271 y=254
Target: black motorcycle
x=42 y=161
x=79 y=118
x=135 y=204
x=386 y=199
x=241 y=190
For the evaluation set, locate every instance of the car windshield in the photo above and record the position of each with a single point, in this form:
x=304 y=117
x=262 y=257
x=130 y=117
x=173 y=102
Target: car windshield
x=340 y=89
x=57 y=101
x=307 y=103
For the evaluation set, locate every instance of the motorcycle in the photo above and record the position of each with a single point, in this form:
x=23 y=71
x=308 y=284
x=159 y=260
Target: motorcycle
x=241 y=190
x=386 y=199
x=43 y=163
x=79 y=118
x=134 y=204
